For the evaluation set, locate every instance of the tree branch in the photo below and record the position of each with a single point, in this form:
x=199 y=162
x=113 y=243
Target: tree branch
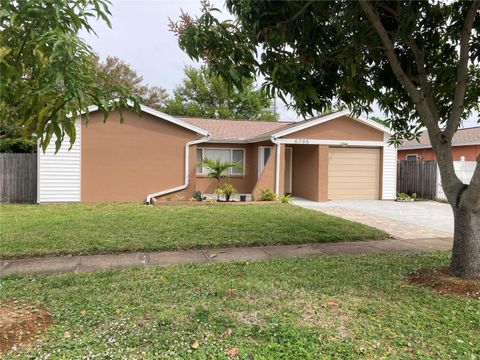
x=10 y=131
x=297 y=15
x=476 y=175
x=422 y=76
x=462 y=71
x=450 y=181
x=390 y=52
x=472 y=195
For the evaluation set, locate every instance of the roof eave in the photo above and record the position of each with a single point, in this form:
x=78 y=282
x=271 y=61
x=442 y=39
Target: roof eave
x=330 y=117
x=429 y=146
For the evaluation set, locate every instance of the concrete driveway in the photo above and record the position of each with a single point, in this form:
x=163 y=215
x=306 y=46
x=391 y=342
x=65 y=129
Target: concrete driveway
x=403 y=220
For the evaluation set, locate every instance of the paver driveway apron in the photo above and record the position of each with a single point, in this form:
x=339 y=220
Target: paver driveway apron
x=403 y=220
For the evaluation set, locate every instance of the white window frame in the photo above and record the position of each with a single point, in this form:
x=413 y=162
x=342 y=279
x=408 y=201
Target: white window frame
x=205 y=170
x=416 y=155
x=261 y=158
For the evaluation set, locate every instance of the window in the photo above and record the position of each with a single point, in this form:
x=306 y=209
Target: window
x=264 y=154
x=411 y=157
x=225 y=155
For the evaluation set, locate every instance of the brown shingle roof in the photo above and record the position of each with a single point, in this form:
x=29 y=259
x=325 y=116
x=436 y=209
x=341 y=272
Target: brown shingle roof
x=468 y=136
x=230 y=130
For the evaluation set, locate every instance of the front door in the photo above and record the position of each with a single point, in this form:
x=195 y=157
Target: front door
x=288 y=170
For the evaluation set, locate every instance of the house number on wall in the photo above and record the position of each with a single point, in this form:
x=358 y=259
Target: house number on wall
x=301 y=141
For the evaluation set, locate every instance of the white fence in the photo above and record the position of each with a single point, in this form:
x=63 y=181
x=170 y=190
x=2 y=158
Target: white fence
x=464 y=170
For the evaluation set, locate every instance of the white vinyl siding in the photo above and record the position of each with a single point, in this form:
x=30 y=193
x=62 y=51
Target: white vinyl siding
x=389 y=180
x=59 y=173
x=225 y=155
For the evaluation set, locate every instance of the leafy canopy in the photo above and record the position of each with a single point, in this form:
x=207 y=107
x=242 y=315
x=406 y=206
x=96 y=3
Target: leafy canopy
x=119 y=74
x=48 y=76
x=327 y=54
x=204 y=94
x=16 y=141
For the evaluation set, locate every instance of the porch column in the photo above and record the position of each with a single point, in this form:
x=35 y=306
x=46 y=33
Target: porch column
x=280 y=174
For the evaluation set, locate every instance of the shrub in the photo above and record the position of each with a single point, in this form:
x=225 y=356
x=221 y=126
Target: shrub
x=228 y=190
x=285 y=199
x=405 y=197
x=267 y=195
x=219 y=170
x=197 y=195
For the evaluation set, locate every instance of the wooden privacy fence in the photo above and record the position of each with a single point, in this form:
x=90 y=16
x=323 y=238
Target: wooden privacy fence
x=18 y=178
x=418 y=177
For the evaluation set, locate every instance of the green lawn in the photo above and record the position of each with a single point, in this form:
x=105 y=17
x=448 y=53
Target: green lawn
x=39 y=230
x=295 y=308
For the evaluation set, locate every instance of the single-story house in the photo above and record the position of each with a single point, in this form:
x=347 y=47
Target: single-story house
x=154 y=155
x=465 y=146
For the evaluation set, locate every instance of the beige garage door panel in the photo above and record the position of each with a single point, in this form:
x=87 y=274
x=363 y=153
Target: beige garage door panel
x=353 y=173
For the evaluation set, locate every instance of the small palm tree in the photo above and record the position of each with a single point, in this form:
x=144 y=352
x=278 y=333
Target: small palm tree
x=218 y=169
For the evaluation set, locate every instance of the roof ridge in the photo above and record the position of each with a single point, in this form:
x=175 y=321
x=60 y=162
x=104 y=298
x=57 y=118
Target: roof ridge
x=239 y=120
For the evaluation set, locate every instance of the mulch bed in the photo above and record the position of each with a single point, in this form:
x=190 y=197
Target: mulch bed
x=441 y=279
x=21 y=323
x=213 y=203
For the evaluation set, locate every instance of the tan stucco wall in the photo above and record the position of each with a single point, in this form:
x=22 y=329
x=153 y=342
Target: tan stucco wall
x=126 y=162
x=186 y=193
x=343 y=128
x=310 y=172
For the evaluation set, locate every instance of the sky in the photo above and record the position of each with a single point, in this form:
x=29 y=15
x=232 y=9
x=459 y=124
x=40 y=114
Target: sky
x=140 y=36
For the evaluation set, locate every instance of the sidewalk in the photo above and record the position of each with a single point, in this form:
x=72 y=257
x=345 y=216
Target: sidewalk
x=91 y=263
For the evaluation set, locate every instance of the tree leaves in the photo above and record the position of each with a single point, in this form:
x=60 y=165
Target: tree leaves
x=115 y=73
x=331 y=55
x=48 y=76
x=203 y=93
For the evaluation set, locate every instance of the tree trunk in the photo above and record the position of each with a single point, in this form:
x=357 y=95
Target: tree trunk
x=466 y=243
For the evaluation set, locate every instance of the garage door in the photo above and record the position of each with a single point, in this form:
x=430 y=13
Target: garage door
x=353 y=173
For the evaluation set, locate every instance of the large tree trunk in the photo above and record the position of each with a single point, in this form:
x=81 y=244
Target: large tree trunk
x=466 y=243
x=464 y=199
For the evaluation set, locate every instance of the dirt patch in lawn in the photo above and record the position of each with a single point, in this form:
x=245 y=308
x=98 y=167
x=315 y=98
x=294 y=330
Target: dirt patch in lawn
x=442 y=280
x=21 y=323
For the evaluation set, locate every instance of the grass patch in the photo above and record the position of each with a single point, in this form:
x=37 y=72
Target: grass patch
x=79 y=229
x=295 y=308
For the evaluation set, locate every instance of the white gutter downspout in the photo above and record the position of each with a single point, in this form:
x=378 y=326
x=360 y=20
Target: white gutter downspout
x=277 y=165
x=187 y=162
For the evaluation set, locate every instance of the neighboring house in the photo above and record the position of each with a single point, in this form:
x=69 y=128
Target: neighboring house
x=156 y=155
x=465 y=146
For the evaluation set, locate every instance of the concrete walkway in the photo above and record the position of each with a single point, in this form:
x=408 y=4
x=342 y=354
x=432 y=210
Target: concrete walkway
x=92 y=263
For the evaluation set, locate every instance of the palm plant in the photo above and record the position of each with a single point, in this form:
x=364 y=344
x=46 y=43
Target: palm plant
x=219 y=169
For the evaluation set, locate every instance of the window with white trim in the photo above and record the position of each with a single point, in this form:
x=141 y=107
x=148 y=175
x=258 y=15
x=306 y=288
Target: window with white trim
x=411 y=157
x=225 y=155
